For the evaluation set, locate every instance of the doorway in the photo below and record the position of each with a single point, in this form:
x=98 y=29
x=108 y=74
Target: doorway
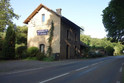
x=67 y=51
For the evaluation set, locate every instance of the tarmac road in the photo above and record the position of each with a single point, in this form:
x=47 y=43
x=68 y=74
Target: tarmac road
x=100 y=70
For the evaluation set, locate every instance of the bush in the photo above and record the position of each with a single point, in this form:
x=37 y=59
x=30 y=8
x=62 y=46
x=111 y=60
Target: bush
x=94 y=54
x=109 y=50
x=48 y=58
x=21 y=52
x=32 y=51
x=118 y=49
x=40 y=56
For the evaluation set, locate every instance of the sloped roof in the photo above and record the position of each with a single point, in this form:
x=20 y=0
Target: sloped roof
x=62 y=17
x=36 y=11
x=70 y=23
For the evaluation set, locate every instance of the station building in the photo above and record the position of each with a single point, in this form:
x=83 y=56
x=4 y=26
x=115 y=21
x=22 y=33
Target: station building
x=66 y=39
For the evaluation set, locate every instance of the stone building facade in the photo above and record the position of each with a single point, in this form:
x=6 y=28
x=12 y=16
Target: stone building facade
x=66 y=39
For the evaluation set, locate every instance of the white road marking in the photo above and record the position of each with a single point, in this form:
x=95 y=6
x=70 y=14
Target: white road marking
x=121 y=69
x=82 y=68
x=118 y=82
x=54 y=78
x=25 y=70
x=35 y=69
x=95 y=64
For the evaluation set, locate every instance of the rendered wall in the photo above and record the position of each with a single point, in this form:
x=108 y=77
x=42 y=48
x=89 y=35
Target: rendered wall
x=36 y=24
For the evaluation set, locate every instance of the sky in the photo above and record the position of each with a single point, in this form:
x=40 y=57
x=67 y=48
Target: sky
x=86 y=13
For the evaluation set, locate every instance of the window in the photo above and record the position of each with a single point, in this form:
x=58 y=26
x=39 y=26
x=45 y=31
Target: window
x=42 y=46
x=75 y=50
x=43 y=17
x=75 y=37
x=67 y=34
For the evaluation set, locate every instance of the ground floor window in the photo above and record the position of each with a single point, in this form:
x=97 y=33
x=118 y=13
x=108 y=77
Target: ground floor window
x=75 y=50
x=42 y=47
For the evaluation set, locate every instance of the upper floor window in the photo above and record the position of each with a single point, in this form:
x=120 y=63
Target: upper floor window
x=75 y=37
x=43 y=17
x=67 y=34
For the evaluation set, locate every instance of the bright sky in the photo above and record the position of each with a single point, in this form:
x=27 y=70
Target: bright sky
x=86 y=13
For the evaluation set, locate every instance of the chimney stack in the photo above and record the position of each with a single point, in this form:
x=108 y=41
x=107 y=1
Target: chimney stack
x=58 y=11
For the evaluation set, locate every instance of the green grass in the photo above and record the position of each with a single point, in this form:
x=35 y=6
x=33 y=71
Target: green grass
x=31 y=58
x=48 y=59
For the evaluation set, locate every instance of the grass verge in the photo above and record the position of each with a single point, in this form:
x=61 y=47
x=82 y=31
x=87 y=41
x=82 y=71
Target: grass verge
x=31 y=58
x=47 y=59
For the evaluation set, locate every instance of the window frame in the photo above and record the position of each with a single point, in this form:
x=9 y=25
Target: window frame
x=43 y=18
x=40 y=46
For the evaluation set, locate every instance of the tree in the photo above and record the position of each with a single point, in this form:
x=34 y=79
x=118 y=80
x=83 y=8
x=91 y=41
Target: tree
x=113 y=20
x=86 y=39
x=6 y=14
x=8 y=51
x=21 y=35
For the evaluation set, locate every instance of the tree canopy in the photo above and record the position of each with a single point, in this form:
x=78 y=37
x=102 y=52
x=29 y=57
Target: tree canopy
x=8 y=51
x=6 y=14
x=104 y=43
x=113 y=20
x=21 y=35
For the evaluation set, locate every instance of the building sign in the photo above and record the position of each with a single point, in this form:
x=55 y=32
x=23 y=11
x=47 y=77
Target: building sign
x=42 y=32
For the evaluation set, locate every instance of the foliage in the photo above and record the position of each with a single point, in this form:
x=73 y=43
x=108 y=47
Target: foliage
x=86 y=51
x=109 y=50
x=86 y=39
x=113 y=20
x=8 y=51
x=2 y=37
x=51 y=34
x=21 y=34
x=31 y=58
x=21 y=52
x=6 y=14
x=104 y=44
x=94 y=55
x=50 y=58
x=32 y=51
x=40 y=56
x=118 y=49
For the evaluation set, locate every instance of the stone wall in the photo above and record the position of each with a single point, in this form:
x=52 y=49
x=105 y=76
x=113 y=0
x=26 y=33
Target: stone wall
x=70 y=41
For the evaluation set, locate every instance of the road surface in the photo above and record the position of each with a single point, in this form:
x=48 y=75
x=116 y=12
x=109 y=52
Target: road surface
x=100 y=70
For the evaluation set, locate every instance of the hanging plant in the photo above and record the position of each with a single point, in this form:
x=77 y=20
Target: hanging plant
x=51 y=34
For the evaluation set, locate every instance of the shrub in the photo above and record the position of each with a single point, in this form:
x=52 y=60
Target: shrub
x=118 y=49
x=32 y=51
x=21 y=52
x=92 y=54
x=40 y=56
x=48 y=58
x=96 y=53
x=109 y=50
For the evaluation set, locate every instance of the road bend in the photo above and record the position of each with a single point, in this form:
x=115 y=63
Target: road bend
x=100 y=70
